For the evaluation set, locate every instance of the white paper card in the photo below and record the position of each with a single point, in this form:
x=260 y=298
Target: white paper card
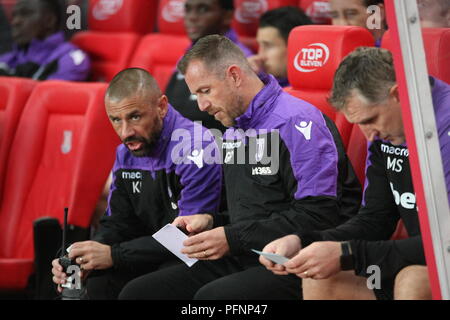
x=172 y=238
x=272 y=256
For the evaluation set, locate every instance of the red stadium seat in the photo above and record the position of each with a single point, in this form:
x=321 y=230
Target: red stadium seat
x=171 y=17
x=137 y=16
x=357 y=152
x=153 y=53
x=60 y=157
x=437 y=50
x=114 y=29
x=14 y=93
x=8 y=6
x=317 y=10
x=314 y=54
x=109 y=52
x=246 y=17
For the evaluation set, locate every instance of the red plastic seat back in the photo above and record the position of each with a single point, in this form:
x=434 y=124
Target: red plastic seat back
x=357 y=152
x=60 y=157
x=14 y=93
x=437 y=50
x=317 y=10
x=314 y=54
x=171 y=17
x=152 y=52
x=109 y=52
x=152 y=55
x=8 y=6
x=138 y=16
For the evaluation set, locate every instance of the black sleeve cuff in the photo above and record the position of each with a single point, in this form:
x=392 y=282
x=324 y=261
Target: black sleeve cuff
x=232 y=234
x=221 y=219
x=308 y=238
x=116 y=256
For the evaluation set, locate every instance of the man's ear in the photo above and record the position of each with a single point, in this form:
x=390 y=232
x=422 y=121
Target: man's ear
x=235 y=74
x=393 y=93
x=163 y=105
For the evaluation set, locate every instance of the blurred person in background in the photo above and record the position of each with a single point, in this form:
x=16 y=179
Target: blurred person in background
x=434 y=13
x=40 y=50
x=272 y=36
x=359 y=13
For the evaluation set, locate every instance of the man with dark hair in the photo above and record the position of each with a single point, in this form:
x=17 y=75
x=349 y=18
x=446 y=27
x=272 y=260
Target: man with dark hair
x=368 y=14
x=202 y=18
x=272 y=36
x=434 y=13
x=40 y=51
x=366 y=91
x=285 y=169
x=157 y=179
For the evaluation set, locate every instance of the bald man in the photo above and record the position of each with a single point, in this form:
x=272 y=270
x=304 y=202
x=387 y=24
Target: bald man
x=162 y=174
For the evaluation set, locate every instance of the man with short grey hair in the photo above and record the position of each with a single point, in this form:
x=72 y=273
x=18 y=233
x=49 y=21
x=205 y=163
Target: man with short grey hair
x=285 y=170
x=366 y=91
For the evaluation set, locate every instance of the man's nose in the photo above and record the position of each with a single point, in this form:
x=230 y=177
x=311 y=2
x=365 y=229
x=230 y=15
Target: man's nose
x=203 y=103
x=340 y=21
x=126 y=131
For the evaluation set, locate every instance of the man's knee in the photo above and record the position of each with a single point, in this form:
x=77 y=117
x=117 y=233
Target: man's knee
x=412 y=283
x=216 y=290
x=343 y=286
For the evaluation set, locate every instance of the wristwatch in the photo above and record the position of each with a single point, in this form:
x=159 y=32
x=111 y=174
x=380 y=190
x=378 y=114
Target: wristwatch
x=347 y=262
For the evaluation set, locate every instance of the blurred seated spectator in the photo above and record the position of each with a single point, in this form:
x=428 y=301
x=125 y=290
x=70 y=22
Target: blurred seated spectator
x=202 y=18
x=272 y=36
x=40 y=51
x=434 y=13
x=359 y=13
x=5 y=32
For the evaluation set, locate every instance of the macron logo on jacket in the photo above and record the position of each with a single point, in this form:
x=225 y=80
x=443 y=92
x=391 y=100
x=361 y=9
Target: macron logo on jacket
x=197 y=158
x=305 y=129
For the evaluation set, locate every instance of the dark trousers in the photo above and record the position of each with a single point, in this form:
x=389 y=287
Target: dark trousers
x=107 y=284
x=223 y=279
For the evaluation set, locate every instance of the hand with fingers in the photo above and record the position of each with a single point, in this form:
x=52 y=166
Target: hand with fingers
x=208 y=245
x=194 y=224
x=91 y=255
x=287 y=246
x=59 y=276
x=319 y=260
